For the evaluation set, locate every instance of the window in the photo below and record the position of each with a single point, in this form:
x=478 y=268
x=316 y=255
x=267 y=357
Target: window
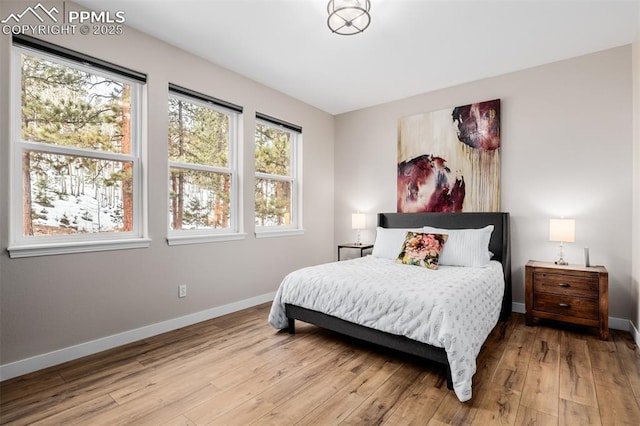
x=277 y=184
x=76 y=153
x=203 y=181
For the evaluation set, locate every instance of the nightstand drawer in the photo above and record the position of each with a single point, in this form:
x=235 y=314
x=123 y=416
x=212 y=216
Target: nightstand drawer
x=564 y=284
x=566 y=306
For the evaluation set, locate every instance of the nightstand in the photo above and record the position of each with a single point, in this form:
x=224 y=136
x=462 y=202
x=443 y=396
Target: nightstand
x=569 y=293
x=361 y=247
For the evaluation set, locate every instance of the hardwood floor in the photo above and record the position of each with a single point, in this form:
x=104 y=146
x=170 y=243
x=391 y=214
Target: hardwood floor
x=237 y=370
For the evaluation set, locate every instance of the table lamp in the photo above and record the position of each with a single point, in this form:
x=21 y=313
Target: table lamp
x=563 y=231
x=358 y=221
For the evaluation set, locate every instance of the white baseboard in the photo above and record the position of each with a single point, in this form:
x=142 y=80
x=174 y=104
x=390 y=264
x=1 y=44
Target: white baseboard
x=38 y=362
x=619 y=324
x=615 y=323
x=518 y=307
x=634 y=332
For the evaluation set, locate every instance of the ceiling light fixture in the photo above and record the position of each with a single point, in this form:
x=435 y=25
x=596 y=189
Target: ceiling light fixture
x=348 y=17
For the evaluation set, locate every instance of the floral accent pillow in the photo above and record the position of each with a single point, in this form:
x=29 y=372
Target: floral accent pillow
x=422 y=249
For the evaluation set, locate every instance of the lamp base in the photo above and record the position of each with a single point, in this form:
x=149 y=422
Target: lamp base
x=561 y=260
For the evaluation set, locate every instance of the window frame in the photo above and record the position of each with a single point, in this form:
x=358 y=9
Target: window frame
x=295 y=227
x=207 y=235
x=26 y=246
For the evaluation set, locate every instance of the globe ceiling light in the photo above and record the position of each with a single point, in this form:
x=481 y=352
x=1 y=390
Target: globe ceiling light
x=348 y=17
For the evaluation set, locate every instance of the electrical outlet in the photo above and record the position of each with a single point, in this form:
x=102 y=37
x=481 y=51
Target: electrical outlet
x=182 y=290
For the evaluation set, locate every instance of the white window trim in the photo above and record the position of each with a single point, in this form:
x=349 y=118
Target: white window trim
x=179 y=240
x=266 y=232
x=28 y=246
x=76 y=247
x=234 y=232
x=296 y=225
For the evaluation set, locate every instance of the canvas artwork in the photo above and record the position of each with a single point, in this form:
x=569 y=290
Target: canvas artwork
x=449 y=160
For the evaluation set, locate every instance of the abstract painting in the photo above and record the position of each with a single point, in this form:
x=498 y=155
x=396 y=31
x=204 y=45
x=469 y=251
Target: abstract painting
x=449 y=160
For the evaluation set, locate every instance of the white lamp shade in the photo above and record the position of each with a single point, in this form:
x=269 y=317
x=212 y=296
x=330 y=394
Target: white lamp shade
x=562 y=230
x=358 y=221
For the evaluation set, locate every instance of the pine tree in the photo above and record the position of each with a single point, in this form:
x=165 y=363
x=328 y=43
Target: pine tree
x=66 y=106
x=273 y=198
x=198 y=135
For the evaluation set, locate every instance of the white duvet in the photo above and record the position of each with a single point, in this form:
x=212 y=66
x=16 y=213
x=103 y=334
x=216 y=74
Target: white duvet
x=454 y=308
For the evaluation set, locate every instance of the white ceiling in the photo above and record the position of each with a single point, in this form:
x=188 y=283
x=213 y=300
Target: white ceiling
x=411 y=46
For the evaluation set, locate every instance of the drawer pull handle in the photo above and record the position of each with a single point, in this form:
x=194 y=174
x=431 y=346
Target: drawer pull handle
x=563 y=305
x=564 y=285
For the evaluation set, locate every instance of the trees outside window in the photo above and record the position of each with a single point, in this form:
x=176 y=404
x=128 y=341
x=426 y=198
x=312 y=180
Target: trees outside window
x=202 y=142
x=76 y=152
x=277 y=176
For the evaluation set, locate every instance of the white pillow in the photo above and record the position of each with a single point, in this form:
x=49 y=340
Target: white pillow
x=389 y=241
x=464 y=247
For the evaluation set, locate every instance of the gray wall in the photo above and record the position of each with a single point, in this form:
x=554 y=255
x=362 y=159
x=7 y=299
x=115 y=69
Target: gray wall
x=635 y=317
x=566 y=150
x=54 y=302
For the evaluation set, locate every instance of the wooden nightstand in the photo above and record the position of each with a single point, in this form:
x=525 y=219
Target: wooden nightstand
x=570 y=293
x=361 y=247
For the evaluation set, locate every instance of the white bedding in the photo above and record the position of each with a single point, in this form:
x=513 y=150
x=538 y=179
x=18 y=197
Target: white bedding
x=454 y=308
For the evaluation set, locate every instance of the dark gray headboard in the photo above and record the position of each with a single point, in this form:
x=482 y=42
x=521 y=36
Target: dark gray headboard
x=499 y=244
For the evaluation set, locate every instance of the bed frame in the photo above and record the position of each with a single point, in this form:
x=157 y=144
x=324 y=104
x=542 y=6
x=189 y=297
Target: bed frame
x=499 y=246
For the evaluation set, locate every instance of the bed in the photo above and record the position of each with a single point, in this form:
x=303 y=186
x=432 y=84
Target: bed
x=448 y=325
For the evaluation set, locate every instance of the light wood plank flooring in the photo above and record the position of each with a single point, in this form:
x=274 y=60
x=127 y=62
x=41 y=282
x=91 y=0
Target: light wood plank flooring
x=237 y=370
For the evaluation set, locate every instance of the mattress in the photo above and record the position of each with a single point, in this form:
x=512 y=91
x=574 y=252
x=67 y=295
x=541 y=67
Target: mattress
x=454 y=308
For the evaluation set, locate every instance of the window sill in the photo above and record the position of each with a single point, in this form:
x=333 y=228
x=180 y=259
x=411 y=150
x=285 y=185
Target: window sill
x=33 y=250
x=178 y=240
x=279 y=233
